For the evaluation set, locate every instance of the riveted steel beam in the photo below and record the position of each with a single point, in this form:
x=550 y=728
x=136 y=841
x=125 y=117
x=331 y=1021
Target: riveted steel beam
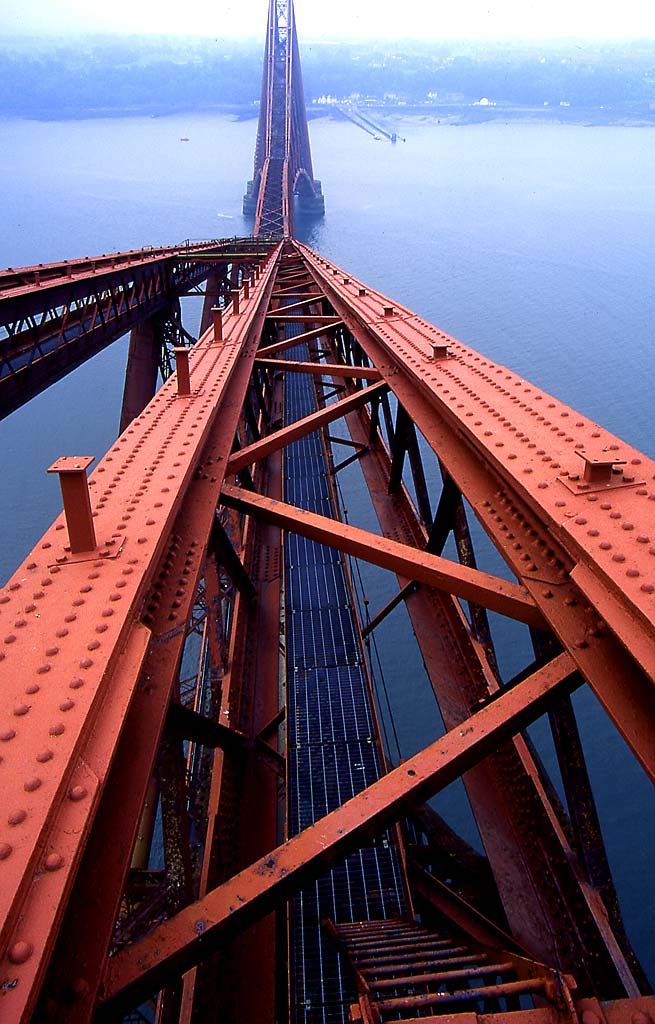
x=185 y=939
x=470 y=584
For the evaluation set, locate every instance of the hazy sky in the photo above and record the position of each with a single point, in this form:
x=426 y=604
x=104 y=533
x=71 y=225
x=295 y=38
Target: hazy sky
x=421 y=19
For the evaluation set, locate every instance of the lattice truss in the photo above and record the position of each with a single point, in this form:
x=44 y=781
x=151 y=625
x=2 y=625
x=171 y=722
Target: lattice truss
x=188 y=732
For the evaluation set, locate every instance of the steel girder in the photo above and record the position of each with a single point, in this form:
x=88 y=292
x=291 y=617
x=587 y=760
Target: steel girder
x=92 y=643
x=95 y=624
x=56 y=316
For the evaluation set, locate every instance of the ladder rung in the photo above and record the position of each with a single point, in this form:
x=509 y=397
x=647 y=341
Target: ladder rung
x=440 y=976
x=402 y=965
x=463 y=995
x=418 y=951
x=381 y=944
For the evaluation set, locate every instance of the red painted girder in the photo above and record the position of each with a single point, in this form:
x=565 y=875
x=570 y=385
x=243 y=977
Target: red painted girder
x=534 y=442
x=537 y=547
x=286 y=343
x=279 y=438
x=64 y=621
x=185 y=939
x=298 y=318
x=86 y=934
x=23 y=280
x=505 y=790
x=414 y=563
x=321 y=369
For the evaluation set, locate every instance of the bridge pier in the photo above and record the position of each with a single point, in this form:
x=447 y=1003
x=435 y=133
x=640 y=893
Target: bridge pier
x=311 y=204
x=142 y=368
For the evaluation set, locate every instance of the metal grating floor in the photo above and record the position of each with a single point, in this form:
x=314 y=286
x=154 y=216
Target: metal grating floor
x=332 y=748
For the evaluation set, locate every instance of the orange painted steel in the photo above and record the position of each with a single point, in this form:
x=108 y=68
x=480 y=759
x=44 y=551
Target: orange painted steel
x=280 y=438
x=585 y=551
x=23 y=281
x=71 y=630
x=81 y=627
x=183 y=940
x=94 y=624
x=299 y=339
x=56 y=316
x=440 y=573
x=320 y=369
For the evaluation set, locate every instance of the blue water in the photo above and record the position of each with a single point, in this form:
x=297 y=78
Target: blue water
x=532 y=242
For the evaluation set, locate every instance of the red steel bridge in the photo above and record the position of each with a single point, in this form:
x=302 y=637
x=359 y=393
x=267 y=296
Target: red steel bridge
x=199 y=821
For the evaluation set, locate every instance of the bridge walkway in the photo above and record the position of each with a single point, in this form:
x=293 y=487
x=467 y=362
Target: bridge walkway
x=333 y=747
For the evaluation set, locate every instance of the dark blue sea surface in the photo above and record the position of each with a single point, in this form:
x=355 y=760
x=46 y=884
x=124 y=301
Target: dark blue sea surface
x=534 y=243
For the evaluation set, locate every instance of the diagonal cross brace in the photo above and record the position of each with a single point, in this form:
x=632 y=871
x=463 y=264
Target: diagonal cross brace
x=280 y=438
x=186 y=939
x=414 y=563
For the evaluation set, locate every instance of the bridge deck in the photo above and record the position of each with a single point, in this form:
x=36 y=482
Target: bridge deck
x=333 y=747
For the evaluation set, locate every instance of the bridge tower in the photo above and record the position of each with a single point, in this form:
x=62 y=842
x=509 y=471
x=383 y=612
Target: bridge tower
x=283 y=159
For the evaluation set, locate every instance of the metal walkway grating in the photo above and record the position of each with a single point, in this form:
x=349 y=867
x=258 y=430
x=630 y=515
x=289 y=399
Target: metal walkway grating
x=332 y=748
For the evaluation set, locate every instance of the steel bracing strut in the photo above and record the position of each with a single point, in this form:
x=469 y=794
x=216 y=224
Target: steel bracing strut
x=56 y=316
x=96 y=694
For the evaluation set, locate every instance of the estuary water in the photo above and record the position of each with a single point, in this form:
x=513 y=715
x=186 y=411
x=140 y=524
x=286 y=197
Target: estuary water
x=534 y=243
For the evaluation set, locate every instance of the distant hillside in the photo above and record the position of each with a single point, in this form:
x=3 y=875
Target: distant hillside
x=119 y=75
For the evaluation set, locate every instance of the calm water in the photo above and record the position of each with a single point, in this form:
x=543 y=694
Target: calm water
x=533 y=243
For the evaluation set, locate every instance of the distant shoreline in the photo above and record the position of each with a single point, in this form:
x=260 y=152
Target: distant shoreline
x=447 y=115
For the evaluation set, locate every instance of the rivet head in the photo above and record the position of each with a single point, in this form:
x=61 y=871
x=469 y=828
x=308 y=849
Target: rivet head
x=5 y=850
x=21 y=709
x=58 y=729
x=67 y=704
x=20 y=952
x=45 y=756
x=17 y=817
x=7 y=734
x=53 y=862
x=86 y=662
x=76 y=684
x=77 y=793
x=32 y=784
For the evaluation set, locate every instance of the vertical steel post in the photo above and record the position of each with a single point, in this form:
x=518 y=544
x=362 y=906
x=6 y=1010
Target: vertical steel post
x=77 y=503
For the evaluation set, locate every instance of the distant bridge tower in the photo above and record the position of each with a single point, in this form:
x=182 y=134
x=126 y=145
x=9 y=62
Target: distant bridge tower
x=283 y=160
